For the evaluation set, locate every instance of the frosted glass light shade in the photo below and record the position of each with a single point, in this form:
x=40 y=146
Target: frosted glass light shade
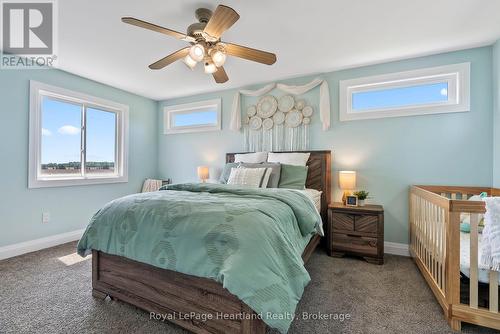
x=347 y=180
x=197 y=52
x=219 y=58
x=190 y=62
x=210 y=67
x=203 y=173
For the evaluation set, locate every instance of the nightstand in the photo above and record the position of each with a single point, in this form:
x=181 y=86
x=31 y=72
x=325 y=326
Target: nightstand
x=357 y=230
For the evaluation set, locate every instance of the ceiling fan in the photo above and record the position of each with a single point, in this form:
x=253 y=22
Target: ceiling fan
x=206 y=45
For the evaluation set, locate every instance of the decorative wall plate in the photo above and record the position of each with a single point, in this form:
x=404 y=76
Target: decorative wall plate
x=293 y=118
x=267 y=106
x=306 y=120
x=255 y=123
x=279 y=118
x=251 y=110
x=300 y=104
x=307 y=111
x=286 y=103
x=267 y=124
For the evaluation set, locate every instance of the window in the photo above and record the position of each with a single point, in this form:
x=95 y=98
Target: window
x=75 y=139
x=193 y=117
x=426 y=91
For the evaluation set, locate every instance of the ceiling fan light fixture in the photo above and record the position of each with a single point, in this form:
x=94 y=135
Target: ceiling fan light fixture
x=190 y=62
x=197 y=52
x=210 y=67
x=218 y=57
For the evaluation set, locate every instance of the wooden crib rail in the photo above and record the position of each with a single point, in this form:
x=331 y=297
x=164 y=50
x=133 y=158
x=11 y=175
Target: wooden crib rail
x=458 y=197
x=434 y=217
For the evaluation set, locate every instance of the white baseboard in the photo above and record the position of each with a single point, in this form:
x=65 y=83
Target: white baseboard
x=396 y=248
x=37 y=244
x=58 y=239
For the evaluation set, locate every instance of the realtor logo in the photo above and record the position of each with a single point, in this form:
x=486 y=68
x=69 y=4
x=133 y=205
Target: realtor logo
x=28 y=34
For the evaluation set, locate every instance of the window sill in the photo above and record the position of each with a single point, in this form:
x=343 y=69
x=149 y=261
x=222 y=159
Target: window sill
x=70 y=182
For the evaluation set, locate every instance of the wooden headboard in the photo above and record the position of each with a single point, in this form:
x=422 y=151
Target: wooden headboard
x=318 y=175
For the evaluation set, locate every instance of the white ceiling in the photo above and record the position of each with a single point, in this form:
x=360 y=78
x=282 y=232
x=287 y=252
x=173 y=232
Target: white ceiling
x=308 y=36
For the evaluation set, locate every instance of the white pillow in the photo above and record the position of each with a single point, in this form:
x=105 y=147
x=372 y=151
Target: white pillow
x=296 y=159
x=257 y=157
x=251 y=177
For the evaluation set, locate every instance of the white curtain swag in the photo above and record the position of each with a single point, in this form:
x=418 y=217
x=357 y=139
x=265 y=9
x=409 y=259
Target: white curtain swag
x=324 y=100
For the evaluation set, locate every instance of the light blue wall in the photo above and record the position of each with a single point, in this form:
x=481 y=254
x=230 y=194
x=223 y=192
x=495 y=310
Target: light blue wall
x=70 y=207
x=496 y=114
x=389 y=154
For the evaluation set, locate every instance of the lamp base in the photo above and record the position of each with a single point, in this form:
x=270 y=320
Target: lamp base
x=344 y=196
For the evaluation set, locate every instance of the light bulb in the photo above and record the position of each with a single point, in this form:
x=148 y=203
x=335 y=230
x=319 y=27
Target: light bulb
x=219 y=58
x=197 y=52
x=210 y=67
x=190 y=62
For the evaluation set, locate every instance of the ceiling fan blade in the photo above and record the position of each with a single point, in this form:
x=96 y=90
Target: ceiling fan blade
x=179 y=54
x=220 y=75
x=244 y=52
x=222 y=19
x=153 y=27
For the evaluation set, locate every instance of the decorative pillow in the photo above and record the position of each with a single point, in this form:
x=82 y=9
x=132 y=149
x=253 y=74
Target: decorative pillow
x=296 y=159
x=293 y=177
x=251 y=177
x=274 y=177
x=224 y=176
x=256 y=157
x=265 y=178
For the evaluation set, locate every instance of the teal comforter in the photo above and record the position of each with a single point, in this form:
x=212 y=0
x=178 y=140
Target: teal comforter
x=250 y=240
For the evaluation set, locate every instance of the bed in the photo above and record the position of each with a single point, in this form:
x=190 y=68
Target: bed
x=204 y=305
x=448 y=259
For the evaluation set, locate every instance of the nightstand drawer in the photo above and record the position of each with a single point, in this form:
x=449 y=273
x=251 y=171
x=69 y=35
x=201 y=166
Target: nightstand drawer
x=342 y=222
x=368 y=224
x=356 y=244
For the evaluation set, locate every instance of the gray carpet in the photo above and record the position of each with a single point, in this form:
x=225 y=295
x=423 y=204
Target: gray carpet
x=40 y=294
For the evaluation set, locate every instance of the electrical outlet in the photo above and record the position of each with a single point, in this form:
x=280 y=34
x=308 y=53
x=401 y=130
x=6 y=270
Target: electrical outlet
x=45 y=217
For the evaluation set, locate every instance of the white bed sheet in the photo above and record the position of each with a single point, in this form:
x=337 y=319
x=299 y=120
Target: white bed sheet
x=484 y=272
x=315 y=197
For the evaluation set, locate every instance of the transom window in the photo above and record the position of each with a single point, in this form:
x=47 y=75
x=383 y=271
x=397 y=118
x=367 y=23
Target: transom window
x=193 y=117
x=425 y=91
x=75 y=139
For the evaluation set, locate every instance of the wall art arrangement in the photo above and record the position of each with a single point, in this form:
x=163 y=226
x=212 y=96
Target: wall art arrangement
x=277 y=124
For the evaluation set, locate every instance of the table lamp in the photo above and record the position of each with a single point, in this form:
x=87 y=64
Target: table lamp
x=347 y=182
x=203 y=173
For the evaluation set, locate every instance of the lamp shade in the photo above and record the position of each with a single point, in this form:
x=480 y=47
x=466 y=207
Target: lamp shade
x=347 y=179
x=203 y=172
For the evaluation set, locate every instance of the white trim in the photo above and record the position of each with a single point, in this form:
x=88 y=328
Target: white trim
x=170 y=111
x=37 y=91
x=396 y=248
x=457 y=76
x=38 y=244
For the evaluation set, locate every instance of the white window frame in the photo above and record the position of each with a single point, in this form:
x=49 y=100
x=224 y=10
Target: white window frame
x=457 y=76
x=188 y=108
x=35 y=179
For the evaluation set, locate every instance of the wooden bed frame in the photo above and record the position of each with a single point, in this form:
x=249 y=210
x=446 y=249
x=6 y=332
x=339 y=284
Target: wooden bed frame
x=194 y=303
x=435 y=246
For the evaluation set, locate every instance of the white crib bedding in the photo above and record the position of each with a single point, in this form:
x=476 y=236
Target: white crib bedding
x=483 y=273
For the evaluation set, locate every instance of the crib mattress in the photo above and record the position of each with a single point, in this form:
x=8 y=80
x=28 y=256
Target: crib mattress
x=484 y=272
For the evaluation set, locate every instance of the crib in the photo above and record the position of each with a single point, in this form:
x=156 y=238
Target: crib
x=435 y=246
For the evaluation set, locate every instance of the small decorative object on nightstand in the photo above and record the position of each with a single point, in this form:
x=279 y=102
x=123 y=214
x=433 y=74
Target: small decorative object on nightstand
x=356 y=231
